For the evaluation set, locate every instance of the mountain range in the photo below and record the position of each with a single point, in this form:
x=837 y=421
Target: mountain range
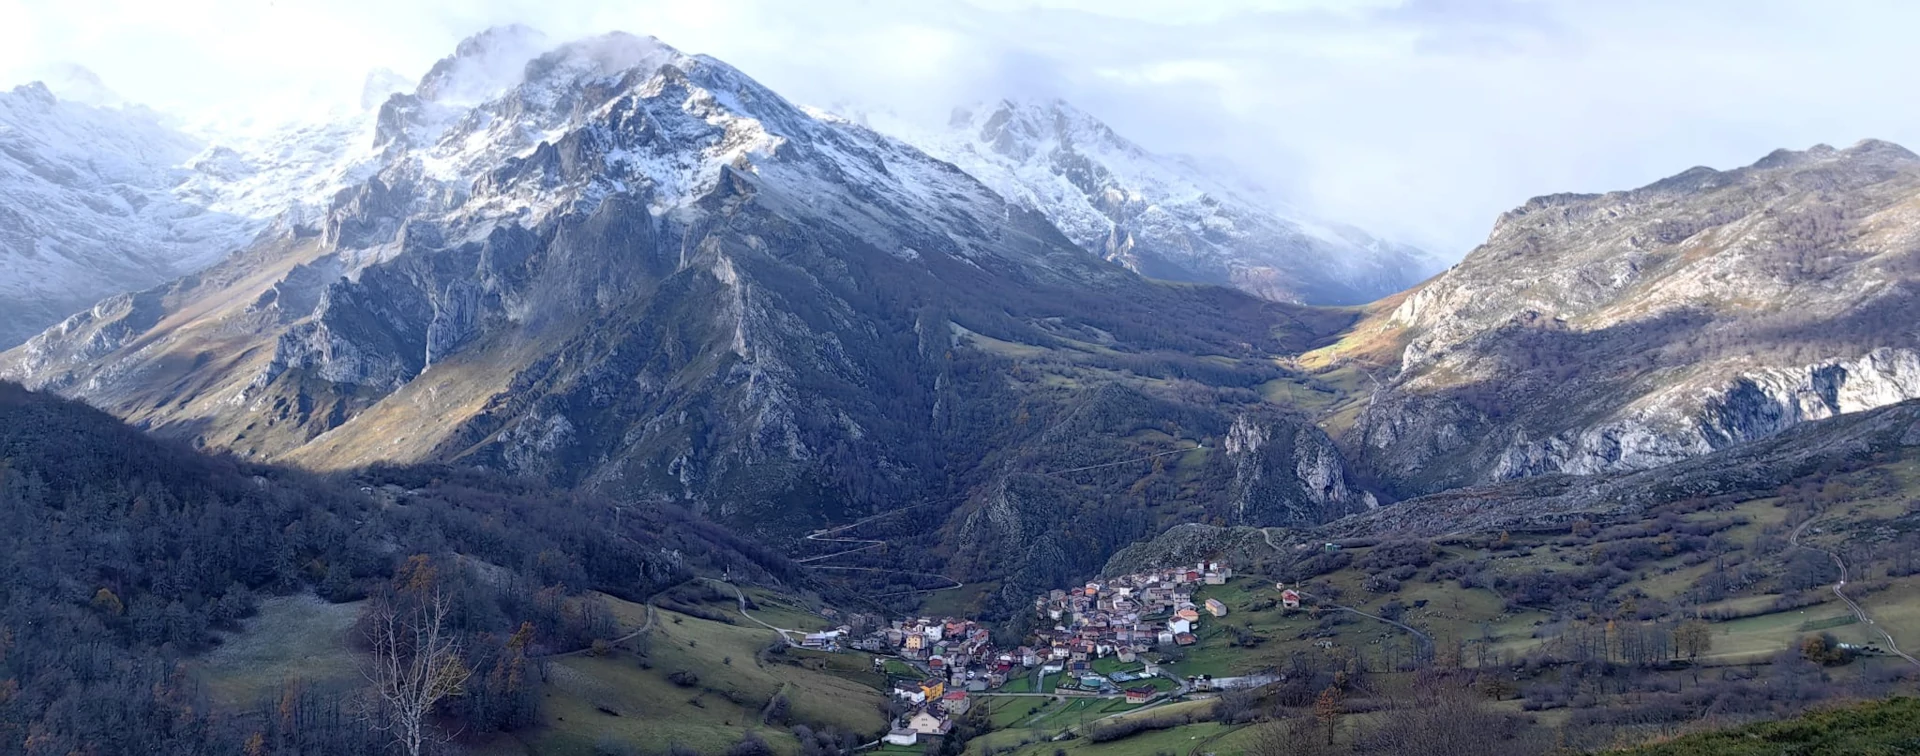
x=639 y=271
x=90 y=208
x=1160 y=216
x=612 y=266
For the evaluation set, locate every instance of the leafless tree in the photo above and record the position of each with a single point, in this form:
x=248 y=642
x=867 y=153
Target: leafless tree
x=1447 y=723
x=415 y=662
x=1289 y=737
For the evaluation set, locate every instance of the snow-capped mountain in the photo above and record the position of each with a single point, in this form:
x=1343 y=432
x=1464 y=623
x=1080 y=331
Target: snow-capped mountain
x=505 y=154
x=626 y=114
x=1161 y=216
x=87 y=210
x=99 y=197
x=619 y=266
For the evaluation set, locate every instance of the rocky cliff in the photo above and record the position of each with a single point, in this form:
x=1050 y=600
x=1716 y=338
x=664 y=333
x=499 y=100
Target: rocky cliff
x=1623 y=331
x=1551 y=501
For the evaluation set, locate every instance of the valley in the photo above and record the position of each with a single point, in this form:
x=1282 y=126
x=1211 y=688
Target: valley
x=592 y=397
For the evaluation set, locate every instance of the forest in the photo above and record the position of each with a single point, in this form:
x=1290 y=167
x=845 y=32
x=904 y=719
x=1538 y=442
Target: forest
x=124 y=555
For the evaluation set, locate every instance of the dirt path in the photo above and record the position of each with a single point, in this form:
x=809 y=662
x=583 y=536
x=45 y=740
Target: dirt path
x=1403 y=626
x=783 y=632
x=857 y=545
x=767 y=710
x=1839 y=590
x=956 y=584
x=1267 y=532
x=644 y=627
x=1195 y=447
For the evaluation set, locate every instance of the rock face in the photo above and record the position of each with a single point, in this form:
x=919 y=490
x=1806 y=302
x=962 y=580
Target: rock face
x=1551 y=501
x=1160 y=216
x=615 y=266
x=1602 y=333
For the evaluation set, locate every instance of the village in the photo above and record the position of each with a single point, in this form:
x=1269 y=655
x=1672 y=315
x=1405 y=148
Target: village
x=1099 y=640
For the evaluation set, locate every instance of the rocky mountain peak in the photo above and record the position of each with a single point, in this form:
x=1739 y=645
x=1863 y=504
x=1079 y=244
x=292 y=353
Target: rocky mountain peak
x=482 y=65
x=1866 y=151
x=1161 y=216
x=1021 y=128
x=34 y=93
x=381 y=84
x=1880 y=149
x=608 y=56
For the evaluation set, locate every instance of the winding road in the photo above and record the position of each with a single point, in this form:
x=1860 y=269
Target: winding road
x=1195 y=447
x=781 y=631
x=824 y=534
x=1427 y=639
x=891 y=571
x=827 y=535
x=857 y=545
x=1840 y=592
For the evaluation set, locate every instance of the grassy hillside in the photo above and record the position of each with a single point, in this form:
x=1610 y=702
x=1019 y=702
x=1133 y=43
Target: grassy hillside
x=639 y=693
x=300 y=637
x=1490 y=598
x=1877 y=728
x=1596 y=631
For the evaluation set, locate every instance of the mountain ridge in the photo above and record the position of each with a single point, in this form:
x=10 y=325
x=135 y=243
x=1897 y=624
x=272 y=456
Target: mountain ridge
x=89 y=207
x=1161 y=217
x=641 y=273
x=1697 y=312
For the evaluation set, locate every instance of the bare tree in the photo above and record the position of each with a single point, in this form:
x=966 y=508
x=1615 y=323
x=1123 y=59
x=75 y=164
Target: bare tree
x=1447 y=723
x=1694 y=638
x=1288 y=737
x=415 y=663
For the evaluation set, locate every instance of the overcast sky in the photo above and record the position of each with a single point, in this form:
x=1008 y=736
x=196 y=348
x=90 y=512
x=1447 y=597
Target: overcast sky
x=1421 y=120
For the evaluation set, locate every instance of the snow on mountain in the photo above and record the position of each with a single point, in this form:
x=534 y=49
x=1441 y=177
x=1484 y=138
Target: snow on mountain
x=98 y=197
x=287 y=173
x=87 y=207
x=1161 y=216
x=614 y=178
x=474 y=146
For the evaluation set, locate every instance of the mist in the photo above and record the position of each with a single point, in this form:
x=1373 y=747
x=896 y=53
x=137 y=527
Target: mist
x=1419 y=120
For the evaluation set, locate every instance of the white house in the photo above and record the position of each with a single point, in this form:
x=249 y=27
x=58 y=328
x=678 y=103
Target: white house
x=902 y=737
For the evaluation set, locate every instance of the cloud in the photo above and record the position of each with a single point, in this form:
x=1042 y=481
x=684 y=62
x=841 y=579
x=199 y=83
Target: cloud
x=1419 y=118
